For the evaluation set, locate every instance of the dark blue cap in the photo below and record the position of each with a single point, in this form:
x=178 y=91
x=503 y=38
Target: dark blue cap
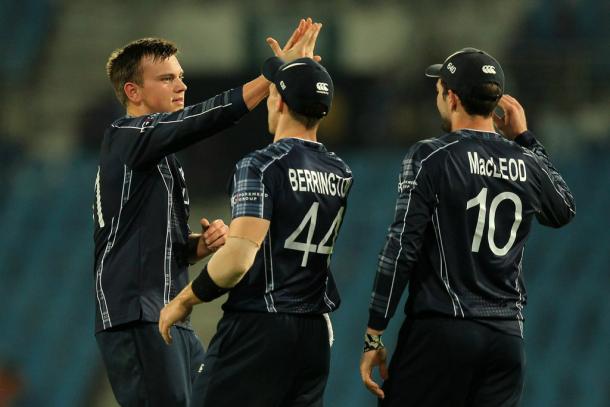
x=305 y=85
x=466 y=69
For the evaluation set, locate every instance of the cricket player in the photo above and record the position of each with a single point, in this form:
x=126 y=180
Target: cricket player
x=466 y=204
x=288 y=200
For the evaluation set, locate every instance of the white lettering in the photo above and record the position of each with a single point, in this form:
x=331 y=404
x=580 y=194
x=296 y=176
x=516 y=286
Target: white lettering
x=513 y=171
x=332 y=187
x=308 y=179
x=323 y=183
x=328 y=183
x=292 y=175
x=314 y=180
x=473 y=159
x=522 y=172
x=503 y=167
x=490 y=168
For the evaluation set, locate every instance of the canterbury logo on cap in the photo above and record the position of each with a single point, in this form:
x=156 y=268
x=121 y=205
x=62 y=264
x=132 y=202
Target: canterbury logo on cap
x=322 y=87
x=451 y=67
x=490 y=69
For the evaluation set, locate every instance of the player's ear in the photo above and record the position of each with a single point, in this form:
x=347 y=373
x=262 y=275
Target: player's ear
x=132 y=91
x=281 y=106
x=454 y=100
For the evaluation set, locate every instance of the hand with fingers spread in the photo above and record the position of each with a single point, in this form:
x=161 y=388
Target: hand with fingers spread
x=513 y=122
x=300 y=44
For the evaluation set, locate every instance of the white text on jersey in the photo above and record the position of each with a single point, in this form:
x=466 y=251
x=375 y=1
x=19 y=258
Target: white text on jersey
x=319 y=182
x=505 y=168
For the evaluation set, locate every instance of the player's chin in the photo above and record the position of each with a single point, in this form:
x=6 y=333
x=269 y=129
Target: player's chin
x=177 y=105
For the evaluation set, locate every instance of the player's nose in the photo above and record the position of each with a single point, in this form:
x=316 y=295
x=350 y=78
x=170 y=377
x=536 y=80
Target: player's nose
x=181 y=85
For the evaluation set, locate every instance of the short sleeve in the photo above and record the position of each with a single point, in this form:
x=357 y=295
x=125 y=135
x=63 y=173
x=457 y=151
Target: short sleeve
x=250 y=191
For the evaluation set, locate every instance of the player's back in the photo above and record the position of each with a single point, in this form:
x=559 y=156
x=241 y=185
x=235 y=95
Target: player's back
x=302 y=189
x=486 y=192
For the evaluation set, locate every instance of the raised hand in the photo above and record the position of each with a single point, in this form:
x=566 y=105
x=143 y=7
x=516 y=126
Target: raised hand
x=513 y=122
x=301 y=43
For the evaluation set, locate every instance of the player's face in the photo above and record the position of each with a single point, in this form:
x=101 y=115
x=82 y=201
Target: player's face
x=162 y=88
x=272 y=112
x=442 y=104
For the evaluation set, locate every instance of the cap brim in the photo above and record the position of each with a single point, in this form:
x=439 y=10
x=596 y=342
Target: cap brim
x=434 y=71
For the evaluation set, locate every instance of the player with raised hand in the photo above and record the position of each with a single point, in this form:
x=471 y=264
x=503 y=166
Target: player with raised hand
x=466 y=203
x=272 y=346
x=143 y=245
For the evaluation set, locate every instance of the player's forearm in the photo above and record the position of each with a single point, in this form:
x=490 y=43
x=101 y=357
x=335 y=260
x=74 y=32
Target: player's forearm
x=187 y=297
x=230 y=263
x=255 y=91
x=225 y=269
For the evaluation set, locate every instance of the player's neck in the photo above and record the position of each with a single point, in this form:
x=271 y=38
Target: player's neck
x=294 y=129
x=465 y=121
x=137 y=111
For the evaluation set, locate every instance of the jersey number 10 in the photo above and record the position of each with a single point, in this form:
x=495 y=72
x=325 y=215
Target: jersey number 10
x=310 y=219
x=480 y=200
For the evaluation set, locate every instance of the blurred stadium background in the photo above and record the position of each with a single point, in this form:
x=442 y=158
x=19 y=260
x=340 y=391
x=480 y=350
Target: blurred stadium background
x=56 y=102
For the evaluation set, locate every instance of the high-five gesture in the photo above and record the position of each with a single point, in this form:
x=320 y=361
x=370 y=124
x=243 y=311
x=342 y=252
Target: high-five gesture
x=300 y=44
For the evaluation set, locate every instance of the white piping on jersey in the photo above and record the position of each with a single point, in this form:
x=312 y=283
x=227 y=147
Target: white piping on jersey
x=99 y=290
x=480 y=131
x=520 y=301
x=293 y=65
x=268 y=302
x=299 y=138
x=98 y=199
x=272 y=276
x=197 y=114
x=101 y=297
x=269 y=286
x=440 y=255
x=536 y=158
x=329 y=303
x=167 y=253
x=172 y=121
x=442 y=250
x=265 y=273
x=404 y=222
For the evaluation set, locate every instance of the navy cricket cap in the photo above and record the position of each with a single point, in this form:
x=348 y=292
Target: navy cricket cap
x=467 y=69
x=305 y=85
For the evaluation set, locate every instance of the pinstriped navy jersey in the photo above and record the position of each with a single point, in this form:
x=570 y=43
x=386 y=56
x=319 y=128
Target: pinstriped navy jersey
x=302 y=189
x=141 y=208
x=465 y=206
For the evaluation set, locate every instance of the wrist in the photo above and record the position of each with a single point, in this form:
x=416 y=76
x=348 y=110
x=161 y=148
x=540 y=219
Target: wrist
x=372 y=342
x=206 y=289
x=525 y=138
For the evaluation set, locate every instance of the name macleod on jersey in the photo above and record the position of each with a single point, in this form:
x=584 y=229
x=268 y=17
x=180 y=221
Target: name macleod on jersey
x=327 y=183
x=513 y=169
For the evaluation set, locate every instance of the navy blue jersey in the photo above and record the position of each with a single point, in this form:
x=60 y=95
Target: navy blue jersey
x=301 y=188
x=141 y=208
x=465 y=206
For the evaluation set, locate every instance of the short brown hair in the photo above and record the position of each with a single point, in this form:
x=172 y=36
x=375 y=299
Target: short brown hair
x=482 y=99
x=124 y=64
x=308 y=121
